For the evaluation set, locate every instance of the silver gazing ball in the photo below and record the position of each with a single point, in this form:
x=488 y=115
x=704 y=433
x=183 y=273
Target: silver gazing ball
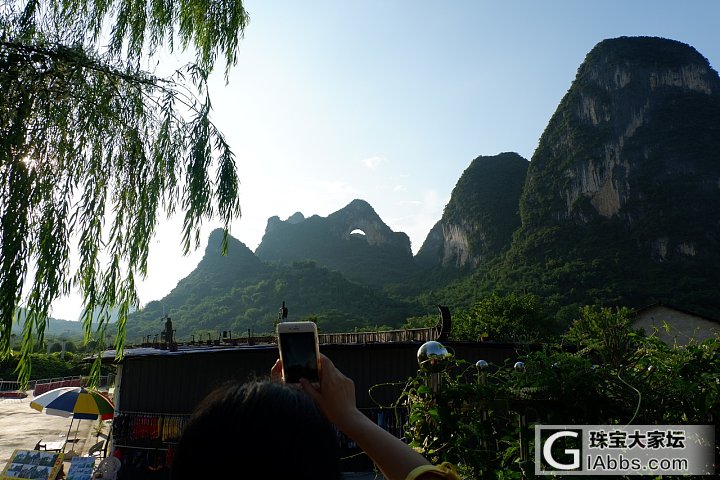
x=430 y=349
x=519 y=366
x=482 y=364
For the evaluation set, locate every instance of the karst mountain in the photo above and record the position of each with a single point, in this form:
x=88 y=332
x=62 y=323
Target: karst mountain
x=619 y=205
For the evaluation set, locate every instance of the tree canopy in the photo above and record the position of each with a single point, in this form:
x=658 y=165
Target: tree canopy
x=94 y=148
x=510 y=318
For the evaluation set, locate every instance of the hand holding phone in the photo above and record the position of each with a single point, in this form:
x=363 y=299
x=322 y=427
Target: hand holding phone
x=299 y=352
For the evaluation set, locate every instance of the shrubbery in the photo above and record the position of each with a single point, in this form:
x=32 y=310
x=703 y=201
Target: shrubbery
x=475 y=415
x=53 y=365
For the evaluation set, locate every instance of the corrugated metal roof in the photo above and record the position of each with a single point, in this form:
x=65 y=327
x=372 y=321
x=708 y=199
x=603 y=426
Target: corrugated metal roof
x=109 y=355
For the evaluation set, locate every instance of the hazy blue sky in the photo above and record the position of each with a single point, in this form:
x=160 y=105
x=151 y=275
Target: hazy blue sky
x=389 y=101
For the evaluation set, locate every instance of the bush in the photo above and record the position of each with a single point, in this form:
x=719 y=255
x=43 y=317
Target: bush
x=44 y=365
x=474 y=417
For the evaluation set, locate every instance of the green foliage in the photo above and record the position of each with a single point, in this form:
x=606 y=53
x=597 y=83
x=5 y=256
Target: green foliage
x=420 y=322
x=86 y=134
x=470 y=416
x=45 y=366
x=605 y=331
x=569 y=266
x=447 y=406
x=510 y=318
x=246 y=300
x=676 y=384
x=486 y=198
x=649 y=51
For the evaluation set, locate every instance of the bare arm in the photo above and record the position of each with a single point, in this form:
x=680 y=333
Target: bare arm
x=336 y=398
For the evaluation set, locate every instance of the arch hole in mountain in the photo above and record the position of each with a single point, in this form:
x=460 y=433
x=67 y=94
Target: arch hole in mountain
x=359 y=234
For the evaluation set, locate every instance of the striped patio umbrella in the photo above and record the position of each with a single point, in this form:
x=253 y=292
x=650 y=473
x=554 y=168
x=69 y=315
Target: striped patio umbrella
x=77 y=402
x=82 y=404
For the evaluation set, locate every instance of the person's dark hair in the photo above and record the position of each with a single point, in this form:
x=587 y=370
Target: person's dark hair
x=261 y=429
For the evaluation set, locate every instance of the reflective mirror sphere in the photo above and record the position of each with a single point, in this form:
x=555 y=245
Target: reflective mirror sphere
x=430 y=349
x=519 y=366
x=482 y=364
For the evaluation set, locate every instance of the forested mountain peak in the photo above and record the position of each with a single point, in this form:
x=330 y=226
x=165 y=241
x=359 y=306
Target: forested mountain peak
x=642 y=112
x=622 y=197
x=353 y=240
x=239 y=258
x=481 y=216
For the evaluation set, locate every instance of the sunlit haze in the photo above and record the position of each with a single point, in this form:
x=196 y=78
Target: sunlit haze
x=389 y=101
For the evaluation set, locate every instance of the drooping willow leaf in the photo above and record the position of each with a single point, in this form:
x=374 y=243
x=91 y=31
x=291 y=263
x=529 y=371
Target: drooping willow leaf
x=93 y=150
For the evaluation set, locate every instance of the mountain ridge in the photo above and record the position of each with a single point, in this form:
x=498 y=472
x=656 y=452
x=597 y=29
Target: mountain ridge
x=240 y=292
x=619 y=205
x=371 y=258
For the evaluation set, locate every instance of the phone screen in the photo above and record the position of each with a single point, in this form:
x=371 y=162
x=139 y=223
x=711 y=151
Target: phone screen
x=299 y=356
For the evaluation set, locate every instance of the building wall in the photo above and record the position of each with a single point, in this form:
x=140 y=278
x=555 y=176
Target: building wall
x=684 y=327
x=174 y=383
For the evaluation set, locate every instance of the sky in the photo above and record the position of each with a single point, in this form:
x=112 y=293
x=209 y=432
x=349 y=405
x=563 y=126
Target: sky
x=390 y=101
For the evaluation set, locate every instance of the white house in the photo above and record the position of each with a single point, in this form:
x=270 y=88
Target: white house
x=675 y=325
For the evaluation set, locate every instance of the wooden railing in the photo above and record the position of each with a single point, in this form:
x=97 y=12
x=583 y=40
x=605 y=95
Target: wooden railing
x=387 y=336
x=437 y=332
x=380 y=336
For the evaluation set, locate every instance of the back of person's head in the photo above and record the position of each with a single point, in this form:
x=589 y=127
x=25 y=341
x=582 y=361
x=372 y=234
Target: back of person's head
x=257 y=430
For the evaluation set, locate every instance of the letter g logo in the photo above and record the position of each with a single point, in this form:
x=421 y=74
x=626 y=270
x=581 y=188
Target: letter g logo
x=574 y=452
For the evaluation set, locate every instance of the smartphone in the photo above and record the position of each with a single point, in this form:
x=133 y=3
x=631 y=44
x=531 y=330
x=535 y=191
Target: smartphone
x=299 y=351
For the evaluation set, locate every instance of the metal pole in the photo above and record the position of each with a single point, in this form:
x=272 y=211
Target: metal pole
x=524 y=447
x=67 y=436
x=76 y=433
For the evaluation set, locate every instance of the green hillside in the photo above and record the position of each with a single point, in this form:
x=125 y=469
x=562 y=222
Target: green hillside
x=619 y=206
x=483 y=207
x=238 y=292
x=56 y=327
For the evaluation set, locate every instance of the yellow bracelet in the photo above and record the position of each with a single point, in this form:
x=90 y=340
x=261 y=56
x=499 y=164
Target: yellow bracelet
x=444 y=470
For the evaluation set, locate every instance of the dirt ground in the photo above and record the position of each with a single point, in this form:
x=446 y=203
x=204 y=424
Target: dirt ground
x=21 y=427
